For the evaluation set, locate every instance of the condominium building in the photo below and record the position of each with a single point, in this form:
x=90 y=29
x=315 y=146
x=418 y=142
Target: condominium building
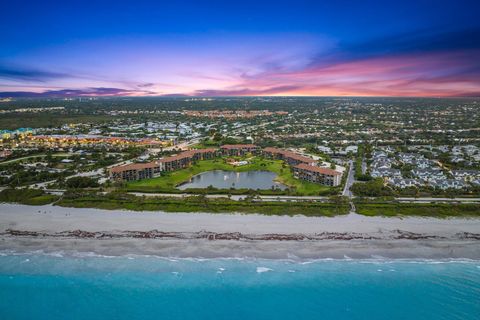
x=289 y=157
x=138 y=171
x=316 y=174
x=239 y=149
x=135 y=171
x=303 y=167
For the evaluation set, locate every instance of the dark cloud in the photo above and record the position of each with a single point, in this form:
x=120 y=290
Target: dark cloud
x=27 y=74
x=100 y=91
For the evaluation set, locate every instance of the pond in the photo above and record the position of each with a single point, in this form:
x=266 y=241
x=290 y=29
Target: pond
x=222 y=179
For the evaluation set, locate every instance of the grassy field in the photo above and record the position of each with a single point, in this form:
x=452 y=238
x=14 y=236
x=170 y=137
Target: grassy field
x=201 y=204
x=27 y=196
x=169 y=181
x=438 y=210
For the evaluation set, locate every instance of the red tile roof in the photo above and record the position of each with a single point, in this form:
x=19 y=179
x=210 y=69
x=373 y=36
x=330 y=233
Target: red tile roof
x=326 y=171
x=290 y=154
x=180 y=156
x=134 y=166
x=204 y=150
x=187 y=154
x=238 y=146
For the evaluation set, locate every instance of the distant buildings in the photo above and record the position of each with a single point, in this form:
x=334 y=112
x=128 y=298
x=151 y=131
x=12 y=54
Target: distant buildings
x=232 y=114
x=324 y=149
x=21 y=132
x=62 y=141
x=5 y=153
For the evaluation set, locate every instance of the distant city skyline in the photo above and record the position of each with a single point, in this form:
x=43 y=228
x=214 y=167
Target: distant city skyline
x=221 y=48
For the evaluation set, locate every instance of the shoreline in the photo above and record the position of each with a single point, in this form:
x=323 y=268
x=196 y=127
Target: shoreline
x=51 y=229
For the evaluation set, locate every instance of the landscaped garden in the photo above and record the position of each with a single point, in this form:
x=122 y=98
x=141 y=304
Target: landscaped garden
x=168 y=182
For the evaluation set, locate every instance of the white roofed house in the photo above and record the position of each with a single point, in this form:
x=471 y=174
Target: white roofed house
x=429 y=174
x=382 y=164
x=409 y=158
x=457 y=159
x=347 y=150
x=445 y=184
x=423 y=163
x=352 y=149
x=404 y=183
x=466 y=175
x=379 y=154
x=471 y=149
x=457 y=150
x=324 y=149
x=383 y=173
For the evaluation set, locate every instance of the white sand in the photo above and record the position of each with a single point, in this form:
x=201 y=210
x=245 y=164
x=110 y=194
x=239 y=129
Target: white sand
x=51 y=219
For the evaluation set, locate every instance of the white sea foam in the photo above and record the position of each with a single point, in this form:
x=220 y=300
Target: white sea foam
x=263 y=269
x=58 y=254
x=292 y=257
x=376 y=259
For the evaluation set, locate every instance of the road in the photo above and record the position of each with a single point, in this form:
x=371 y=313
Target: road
x=346 y=191
x=302 y=198
x=235 y=197
x=350 y=180
x=364 y=166
x=93 y=173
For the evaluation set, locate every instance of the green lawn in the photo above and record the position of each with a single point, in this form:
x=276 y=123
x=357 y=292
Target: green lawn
x=169 y=181
x=27 y=196
x=41 y=200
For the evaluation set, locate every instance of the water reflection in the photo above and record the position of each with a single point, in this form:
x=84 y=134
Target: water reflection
x=222 y=179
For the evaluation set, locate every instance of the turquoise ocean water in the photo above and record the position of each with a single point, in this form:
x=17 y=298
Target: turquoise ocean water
x=37 y=286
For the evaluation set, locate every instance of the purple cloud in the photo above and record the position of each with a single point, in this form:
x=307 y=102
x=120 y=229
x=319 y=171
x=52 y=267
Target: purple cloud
x=88 y=92
x=27 y=74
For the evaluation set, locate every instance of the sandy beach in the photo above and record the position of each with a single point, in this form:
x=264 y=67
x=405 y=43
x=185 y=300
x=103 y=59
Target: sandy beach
x=53 y=229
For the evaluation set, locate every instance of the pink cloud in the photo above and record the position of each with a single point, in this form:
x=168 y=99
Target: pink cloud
x=427 y=74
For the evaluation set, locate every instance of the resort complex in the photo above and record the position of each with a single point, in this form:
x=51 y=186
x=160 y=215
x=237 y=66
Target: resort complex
x=304 y=168
x=139 y=171
x=240 y=160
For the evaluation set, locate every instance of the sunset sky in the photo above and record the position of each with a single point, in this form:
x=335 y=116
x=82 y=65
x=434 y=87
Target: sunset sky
x=237 y=48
